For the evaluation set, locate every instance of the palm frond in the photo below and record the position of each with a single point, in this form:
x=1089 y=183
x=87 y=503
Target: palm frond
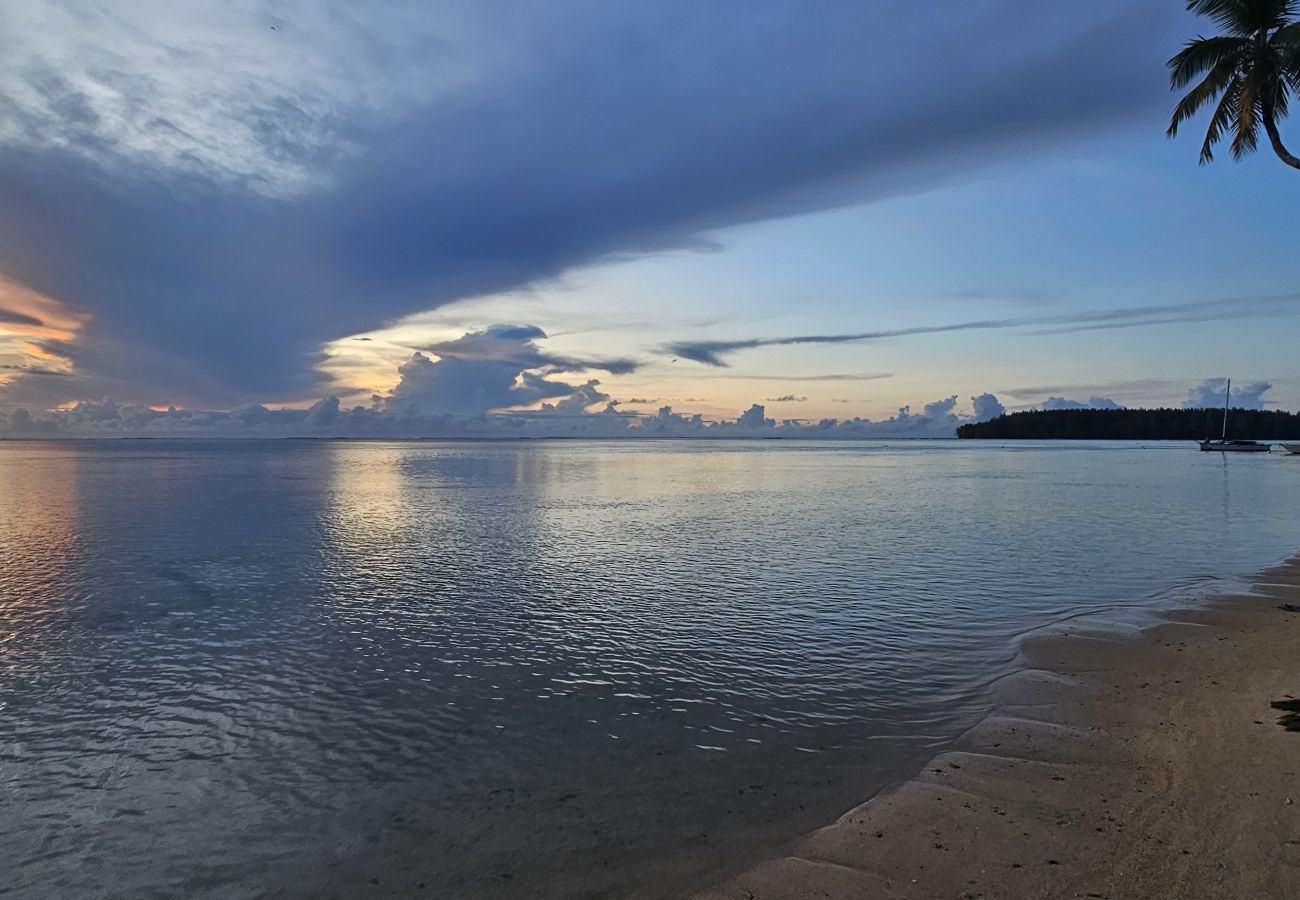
x=1285 y=42
x=1292 y=78
x=1244 y=17
x=1203 y=54
x=1281 y=101
x=1234 y=15
x=1222 y=119
x=1209 y=88
x=1287 y=36
x=1284 y=11
x=1281 y=11
x=1245 y=136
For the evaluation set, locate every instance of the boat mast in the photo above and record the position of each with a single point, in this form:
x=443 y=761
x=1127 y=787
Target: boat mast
x=1226 y=395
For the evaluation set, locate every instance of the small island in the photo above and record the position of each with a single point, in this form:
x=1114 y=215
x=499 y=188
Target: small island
x=1136 y=425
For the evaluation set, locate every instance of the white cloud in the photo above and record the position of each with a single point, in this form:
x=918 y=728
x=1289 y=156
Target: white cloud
x=940 y=408
x=985 y=407
x=584 y=397
x=467 y=386
x=246 y=92
x=568 y=418
x=1090 y=403
x=1211 y=391
x=497 y=368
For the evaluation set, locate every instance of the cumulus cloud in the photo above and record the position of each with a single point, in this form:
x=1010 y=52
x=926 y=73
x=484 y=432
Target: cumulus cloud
x=938 y=419
x=755 y=419
x=941 y=408
x=497 y=368
x=516 y=345
x=570 y=417
x=326 y=418
x=467 y=386
x=1090 y=403
x=577 y=403
x=224 y=198
x=985 y=407
x=666 y=423
x=1212 y=391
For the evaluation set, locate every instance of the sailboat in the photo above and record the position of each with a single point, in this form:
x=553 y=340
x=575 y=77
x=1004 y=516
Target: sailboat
x=1224 y=445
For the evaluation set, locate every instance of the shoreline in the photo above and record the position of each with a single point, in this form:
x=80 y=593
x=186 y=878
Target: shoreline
x=1113 y=765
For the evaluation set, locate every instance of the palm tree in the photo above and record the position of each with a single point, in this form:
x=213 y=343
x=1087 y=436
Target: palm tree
x=1251 y=70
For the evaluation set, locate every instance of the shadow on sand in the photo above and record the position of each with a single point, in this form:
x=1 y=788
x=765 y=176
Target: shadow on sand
x=1290 y=721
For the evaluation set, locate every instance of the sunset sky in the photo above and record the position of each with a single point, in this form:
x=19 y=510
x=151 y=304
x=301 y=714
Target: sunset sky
x=831 y=209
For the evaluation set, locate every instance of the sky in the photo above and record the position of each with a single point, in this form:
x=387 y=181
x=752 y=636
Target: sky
x=253 y=213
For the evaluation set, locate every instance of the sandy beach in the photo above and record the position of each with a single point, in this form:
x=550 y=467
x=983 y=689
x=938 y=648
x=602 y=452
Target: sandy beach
x=1118 y=765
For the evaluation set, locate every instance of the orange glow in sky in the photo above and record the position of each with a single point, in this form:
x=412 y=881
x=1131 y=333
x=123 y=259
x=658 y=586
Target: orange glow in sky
x=27 y=320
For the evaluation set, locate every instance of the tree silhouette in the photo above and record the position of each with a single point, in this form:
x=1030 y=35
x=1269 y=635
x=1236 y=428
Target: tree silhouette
x=1136 y=425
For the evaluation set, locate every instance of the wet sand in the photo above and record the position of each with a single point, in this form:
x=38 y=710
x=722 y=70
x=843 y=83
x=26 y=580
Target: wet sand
x=1145 y=764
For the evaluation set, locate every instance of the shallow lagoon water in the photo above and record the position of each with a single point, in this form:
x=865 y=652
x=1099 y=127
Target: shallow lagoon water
x=538 y=669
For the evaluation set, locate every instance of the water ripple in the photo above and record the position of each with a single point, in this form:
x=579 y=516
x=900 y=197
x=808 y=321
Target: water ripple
x=242 y=668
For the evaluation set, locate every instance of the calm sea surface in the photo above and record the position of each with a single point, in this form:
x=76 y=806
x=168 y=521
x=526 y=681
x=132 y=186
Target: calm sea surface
x=537 y=669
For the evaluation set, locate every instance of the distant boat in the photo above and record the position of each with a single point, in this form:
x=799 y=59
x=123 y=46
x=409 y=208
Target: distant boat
x=1237 y=446
x=1223 y=445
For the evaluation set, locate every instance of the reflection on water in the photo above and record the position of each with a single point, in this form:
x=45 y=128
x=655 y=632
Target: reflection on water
x=534 y=670
x=38 y=535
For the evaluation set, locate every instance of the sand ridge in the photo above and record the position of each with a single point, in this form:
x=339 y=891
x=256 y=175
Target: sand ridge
x=1116 y=766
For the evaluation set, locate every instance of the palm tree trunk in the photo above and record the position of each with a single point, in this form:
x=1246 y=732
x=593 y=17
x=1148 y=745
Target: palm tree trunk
x=1270 y=125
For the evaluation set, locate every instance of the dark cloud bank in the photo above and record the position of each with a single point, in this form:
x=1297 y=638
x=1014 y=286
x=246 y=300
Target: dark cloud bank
x=608 y=129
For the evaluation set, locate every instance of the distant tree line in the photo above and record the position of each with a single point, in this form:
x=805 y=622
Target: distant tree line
x=1137 y=425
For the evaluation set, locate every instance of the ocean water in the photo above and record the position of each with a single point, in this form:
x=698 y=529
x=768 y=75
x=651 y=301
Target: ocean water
x=538 y=669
